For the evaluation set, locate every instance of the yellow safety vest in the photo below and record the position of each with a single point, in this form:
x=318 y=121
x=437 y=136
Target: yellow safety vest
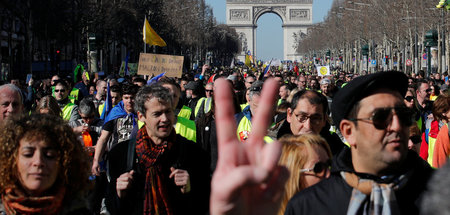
x=197 y=106
x=100 y=109
x=74 y=95
x=244 y=128
x=244 y=106
x=185 y=112
x=279 y=102
x=431 y=143
x=67 y=111
x=184 y=127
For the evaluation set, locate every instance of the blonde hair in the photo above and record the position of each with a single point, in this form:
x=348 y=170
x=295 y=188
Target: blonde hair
x=295 y=154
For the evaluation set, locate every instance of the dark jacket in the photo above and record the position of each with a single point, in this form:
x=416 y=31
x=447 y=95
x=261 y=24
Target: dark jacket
x=207 y=137
x=185 y=155
x=332 y=195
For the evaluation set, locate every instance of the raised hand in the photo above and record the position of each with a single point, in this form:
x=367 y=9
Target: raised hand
x=248 y=179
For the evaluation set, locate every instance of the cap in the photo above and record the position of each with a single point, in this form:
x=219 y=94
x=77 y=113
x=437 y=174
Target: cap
x=192 y=85
x=325 y=81
x=361 y=87
x=256 y=86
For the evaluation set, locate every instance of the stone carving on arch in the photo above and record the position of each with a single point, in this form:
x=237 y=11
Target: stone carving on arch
x=259 y=10
x=298 y=37
x=243 y=39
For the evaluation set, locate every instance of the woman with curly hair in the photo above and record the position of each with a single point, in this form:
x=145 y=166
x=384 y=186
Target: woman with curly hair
x=44 y=169
x=307 y=157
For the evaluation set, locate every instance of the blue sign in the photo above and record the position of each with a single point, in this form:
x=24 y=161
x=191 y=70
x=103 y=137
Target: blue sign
x=373 y=62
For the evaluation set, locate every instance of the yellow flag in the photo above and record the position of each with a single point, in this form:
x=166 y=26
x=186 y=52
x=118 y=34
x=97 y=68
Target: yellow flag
x=151 y=37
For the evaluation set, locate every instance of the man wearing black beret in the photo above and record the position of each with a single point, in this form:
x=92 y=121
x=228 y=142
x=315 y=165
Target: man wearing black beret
x=376 y=174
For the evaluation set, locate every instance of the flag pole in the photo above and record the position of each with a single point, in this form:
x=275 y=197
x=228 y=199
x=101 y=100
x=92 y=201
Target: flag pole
x=145 y=44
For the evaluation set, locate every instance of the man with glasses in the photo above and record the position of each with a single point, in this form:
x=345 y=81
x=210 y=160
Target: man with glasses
x=249 y=81
x=88 y=123
x=376 y=174
x=61 y=94
x=204 y=103
x=308 y=114
x=301 y=84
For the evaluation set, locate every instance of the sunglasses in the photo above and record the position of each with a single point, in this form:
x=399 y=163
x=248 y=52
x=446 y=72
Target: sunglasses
x=57 y=91
x=319 y=169
x=409 y=98
x=382 y=117
x=209 y=91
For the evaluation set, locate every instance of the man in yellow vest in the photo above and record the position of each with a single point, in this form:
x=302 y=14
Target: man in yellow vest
x=69 y=109
x=193 y=93
x=204 y=104
x=183 y=126
x=244 y=118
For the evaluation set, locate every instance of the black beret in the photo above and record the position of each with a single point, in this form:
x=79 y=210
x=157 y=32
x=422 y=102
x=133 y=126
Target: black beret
x=192 y=85
x=361 y=87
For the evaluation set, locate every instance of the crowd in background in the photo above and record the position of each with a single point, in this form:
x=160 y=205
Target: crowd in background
x=151 y=145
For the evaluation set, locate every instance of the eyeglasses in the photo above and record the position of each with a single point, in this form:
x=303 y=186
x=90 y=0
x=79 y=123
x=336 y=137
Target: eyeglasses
x=209 y=91
x=382 y=117
x=409 y=98
x=319 y=169
x=314 y=119
x=61 y=90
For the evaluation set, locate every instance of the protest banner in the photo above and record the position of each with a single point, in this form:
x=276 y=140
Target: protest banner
x=155 y=64
x=323 y=70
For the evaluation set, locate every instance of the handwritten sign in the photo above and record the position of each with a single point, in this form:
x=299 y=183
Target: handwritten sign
x=155 y=64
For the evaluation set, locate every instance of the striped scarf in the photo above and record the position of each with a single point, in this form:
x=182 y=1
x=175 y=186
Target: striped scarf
x=381 y=195
x=15 y=201
x=150 y=157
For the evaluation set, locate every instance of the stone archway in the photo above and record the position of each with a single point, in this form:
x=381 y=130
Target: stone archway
x=296 y=16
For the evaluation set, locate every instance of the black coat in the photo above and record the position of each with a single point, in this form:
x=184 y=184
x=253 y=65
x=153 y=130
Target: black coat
x=207 y=138
x=332 y=195
x=185 y=155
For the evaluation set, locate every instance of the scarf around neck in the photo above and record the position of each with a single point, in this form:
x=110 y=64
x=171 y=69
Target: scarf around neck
x=16 y=201
x=151 y=157
x=381 y=200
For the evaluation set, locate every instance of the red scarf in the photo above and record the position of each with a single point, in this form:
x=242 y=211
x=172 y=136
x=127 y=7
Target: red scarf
x=150 y=156
x=16 y=202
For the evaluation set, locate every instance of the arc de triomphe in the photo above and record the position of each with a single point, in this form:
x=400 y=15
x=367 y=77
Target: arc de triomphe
x=296 y=16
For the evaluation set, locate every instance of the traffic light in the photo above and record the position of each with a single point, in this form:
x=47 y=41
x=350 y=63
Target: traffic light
x=58 y=56
x=92 y=42
x=431 y=38
x=365 y=50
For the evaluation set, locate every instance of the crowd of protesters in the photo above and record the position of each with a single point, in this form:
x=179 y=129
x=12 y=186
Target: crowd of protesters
x=225 y=141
